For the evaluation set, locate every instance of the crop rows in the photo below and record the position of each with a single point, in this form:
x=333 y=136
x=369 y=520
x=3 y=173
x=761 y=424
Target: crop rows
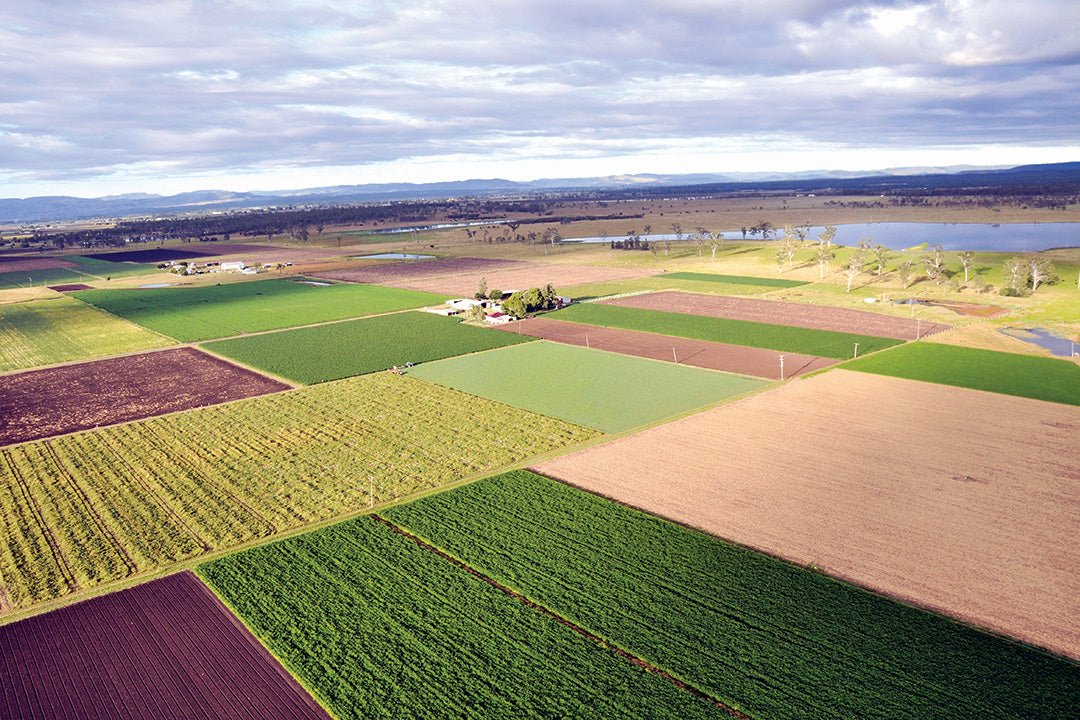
x=96 y=506
x=377 y=626
x=764 y=636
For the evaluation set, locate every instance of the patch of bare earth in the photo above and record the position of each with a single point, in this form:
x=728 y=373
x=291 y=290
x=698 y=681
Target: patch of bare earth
x=957 y=500
x=386 y=273
x=777 y=312
x=684 y=351
x=43 y=403
x=519 y=278
x=29 y=264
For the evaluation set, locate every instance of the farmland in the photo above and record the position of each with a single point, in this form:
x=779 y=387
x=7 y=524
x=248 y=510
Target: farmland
x=585 y=386
x=166 y=649
x=822 y=343
x=769 y=638
x=1022 y=375
x=784 y=313
x=698 y=353
x=85 y=509
x=329 y=352
x=518 y=278
x=208 y=312
x=736 y=279
x=384 y=273
x=960 y=501
x=377 y=626
x=43 y=332
x=42 y=403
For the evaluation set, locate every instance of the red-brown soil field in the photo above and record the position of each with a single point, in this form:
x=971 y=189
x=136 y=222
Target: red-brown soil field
x=518 y=278
x=395 y=272
x=699 y=353
x=43 y=403
x=958 y=500
x=70 y=287
x=165 y=649
x=28 y=264
x=776 y=312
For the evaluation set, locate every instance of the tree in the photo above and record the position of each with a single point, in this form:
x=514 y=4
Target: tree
x=495 y=294
x=825 y=253
x=475 y=314
x=789 y=245
x=934 y=263
x=967 y=258
x=481 y=290
x=677 y=229
x=906 y=271
x=698 y=239
x=882 y=255
x=1016 y=272
x=716 y=239
x=855 y=262
x=1040 y=270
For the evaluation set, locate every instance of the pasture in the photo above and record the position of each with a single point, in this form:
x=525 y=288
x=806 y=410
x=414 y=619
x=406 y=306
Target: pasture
x=165 y=649
x=85 y=509
x=329 y=352
x=62 y=329
x=377 y=626
x=1041 y=378
x=899 y=486
x=214 y=311
x=601 y=390
x=782 y=338
x=764 y=636
x=736 y=279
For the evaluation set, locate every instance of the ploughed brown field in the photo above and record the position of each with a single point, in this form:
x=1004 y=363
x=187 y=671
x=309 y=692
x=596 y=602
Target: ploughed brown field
x=28 y=264
x=519 y=277
x=165 y=649
x=43 y=403
x=958 y=500
x=777 y=312
x=699 y=353
x=70 y=287
x=390 y=272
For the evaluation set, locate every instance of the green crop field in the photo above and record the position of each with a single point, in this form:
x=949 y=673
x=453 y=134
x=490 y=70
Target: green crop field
x=43 y=332
x=735 y=279
x=87 y=508
x=772 y=639
x=215 y=311
x=88 y=271
x=601 y=390
x=377 y=627
x=105 y=269
x=707 y=284
x=823 y=343
x=328 y=352
x=1041 y=378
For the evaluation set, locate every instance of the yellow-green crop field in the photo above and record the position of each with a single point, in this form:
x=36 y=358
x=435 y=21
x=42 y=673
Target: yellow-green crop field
x=89 y=508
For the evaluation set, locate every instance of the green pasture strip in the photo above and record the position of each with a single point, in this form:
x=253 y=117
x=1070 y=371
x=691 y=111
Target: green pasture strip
x=659 y=282
x=215 y=311
x=377 y=626
x=108 y=268
x=1041 y=378
x=84 y=509
x=44 y=332
x=783 y=338
x=735 y=279
x=772 y=639
x=329 y=352
x=38 y=278
x=601 y=390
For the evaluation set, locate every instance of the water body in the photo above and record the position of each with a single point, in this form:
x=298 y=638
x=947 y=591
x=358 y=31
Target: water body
x=395 y=256
x=439 y=226
x=1006 y=237
x=1056 y=344
x=155 y=285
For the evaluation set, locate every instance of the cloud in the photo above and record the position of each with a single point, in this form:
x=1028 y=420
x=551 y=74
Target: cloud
x=187 y=88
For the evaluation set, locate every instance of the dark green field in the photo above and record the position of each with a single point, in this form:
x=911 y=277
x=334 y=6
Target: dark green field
x=735 y=279
x=216 y=311
x=772 y=639
x=823 y=343
x=1024 y=375
x=378 y=627
x=329 y=352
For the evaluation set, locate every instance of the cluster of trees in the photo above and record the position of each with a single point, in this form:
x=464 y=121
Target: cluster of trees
x=525 y=302
x=1024 y=275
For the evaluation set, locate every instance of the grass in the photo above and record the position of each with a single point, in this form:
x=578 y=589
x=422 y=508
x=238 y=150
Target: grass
x=215 y=311
x=597 y=389
x=88 y=271
x=667 y=281
x=329 y=352
x=773 y=639
x=44 y=332
x=376 y=627
x=736 y=279
x=1041 y=378
x=85 y=509
x=823 y=343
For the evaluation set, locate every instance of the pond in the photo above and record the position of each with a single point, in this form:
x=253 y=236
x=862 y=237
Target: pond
x=1056 y=344
x=148 y=286
x=1005 y=237
x=394 y=256
x=435 y=226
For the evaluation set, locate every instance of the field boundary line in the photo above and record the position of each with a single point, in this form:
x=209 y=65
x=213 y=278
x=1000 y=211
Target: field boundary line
x=533 y=605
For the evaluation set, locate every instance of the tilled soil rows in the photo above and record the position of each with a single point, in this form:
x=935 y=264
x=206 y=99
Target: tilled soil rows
x=165 y=649
x=43 y=403
x=699 y=353
x=957 y=500
x=519 y=278
x=29 y=264
x=393 y=272
x=776 y=312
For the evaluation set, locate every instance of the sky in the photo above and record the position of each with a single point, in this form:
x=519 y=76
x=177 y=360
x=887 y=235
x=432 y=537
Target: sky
x=104 y=98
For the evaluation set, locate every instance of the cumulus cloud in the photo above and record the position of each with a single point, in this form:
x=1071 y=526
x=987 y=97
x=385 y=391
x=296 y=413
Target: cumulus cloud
x=189 y=86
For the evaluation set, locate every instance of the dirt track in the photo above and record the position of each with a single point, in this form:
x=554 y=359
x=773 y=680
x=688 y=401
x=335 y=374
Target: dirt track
x=776 y=312
x=958 y=500
x=699 y=353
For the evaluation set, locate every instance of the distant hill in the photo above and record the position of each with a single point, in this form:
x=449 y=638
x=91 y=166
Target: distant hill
x=1062 y=176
